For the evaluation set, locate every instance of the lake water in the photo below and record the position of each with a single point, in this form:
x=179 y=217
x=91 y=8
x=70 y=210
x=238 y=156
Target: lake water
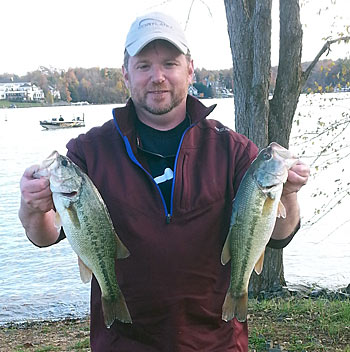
x=44 y=283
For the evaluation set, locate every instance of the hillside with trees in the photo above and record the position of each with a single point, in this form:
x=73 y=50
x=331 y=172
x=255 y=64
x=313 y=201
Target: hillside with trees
x=106 y=86
x=94 y=85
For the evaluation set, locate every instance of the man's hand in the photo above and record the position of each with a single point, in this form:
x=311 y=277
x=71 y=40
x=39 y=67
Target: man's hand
x=298 y=176
x=36 y=193
x=37 y=209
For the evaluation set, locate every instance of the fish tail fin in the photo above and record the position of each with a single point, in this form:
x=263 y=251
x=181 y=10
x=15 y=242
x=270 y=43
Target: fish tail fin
x=235 y=307
x=115 y=309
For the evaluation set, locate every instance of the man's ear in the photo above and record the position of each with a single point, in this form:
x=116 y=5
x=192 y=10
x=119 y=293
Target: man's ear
x=126 y=76
x=190 y=72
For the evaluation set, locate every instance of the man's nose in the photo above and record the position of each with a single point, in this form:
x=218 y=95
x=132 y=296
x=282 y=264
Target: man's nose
x=158 y=74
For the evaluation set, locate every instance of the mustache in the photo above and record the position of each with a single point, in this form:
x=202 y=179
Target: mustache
x=158 y=88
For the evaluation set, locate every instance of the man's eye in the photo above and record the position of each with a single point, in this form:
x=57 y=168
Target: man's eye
x=143 y=67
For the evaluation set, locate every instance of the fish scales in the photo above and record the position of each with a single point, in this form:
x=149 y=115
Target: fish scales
x=90 y=251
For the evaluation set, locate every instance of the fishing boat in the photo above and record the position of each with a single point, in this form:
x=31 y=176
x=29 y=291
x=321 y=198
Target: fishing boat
x=56 y=123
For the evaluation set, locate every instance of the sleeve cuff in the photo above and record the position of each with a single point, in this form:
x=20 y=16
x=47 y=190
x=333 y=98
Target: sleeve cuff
x=279 y=244
x=60 y=238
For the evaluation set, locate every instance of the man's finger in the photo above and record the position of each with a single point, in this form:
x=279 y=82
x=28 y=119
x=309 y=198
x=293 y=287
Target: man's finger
x=30 y=171
x=301 y=169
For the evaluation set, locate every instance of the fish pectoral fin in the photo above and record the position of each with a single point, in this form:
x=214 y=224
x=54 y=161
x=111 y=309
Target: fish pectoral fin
x=122 y=251
x=267 y=207
x=260 y=263
x=226 y=250
x=73 y=216
x=57 y=222
x=281 y=210
x=85 y=272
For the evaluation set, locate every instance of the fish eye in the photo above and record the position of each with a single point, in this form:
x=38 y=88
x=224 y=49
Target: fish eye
x=267 y=156
x=64 y=162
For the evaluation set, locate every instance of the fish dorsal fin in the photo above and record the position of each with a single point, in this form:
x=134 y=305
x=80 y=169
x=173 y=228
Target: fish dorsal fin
x=85 y=272
x=281 y=210
x=260 y=263
x=57 y=221
x=226 y=250
x=122 y=251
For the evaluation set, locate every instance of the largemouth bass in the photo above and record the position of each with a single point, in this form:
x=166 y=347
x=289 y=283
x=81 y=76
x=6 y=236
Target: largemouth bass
x=86 y=222
x=255 y=208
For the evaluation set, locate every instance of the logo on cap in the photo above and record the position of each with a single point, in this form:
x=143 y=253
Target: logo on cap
x=152 y=22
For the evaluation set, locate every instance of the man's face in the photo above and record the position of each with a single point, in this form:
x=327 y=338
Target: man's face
x=158 y=78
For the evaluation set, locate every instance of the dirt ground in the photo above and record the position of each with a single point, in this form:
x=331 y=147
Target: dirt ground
x=65 y=335
x=267 y=332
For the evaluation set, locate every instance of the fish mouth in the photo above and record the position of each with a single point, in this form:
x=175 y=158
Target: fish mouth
x=69 y=194
x=268 y=188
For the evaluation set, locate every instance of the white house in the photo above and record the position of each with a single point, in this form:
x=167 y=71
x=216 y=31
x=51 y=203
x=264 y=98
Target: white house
x=21 y=92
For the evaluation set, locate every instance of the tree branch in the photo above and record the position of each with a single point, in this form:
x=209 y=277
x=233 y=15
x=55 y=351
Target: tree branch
x=188 y=15
x=326 y=47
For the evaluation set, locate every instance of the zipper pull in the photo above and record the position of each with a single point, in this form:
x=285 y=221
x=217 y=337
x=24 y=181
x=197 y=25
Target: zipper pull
x=168 y=219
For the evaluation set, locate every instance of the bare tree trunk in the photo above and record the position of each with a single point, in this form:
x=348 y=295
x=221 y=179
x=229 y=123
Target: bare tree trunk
x=289 y=78
x=249 y=27
x=272 y=276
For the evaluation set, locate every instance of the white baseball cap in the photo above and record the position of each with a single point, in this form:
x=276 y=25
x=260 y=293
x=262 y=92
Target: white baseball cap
x=152 y=26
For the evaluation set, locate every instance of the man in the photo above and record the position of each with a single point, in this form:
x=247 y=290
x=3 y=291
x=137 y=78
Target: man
x=168 y=176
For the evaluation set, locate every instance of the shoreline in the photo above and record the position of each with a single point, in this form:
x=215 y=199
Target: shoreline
x=282 y=322
x=298 y=291
x=27 y=324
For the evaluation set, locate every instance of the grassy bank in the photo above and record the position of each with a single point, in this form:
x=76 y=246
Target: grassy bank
x=4 y=104
x=300 y=324
x=294 y=324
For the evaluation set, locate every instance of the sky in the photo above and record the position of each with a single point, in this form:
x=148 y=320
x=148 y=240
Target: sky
x=91 y=33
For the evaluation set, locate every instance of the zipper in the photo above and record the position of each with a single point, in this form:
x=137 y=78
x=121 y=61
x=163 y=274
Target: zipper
x=135 y=161
x=168 y=214
x=175 y=167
